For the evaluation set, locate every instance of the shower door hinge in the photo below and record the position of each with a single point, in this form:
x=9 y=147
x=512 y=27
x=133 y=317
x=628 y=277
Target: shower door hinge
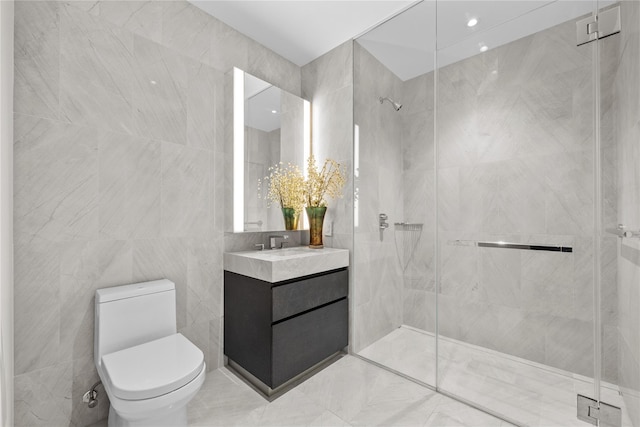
x=606 y=23
x=598 y=413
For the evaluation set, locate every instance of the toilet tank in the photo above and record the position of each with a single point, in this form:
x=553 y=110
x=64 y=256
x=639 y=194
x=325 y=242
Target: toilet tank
x=128 y=315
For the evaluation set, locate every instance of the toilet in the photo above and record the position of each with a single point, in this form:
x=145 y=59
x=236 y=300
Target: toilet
x=149 y=371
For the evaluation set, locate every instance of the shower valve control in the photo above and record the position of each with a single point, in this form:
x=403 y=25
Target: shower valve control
x=383 y=221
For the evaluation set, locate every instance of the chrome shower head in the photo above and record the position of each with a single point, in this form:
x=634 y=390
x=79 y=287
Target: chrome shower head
x=396 y=105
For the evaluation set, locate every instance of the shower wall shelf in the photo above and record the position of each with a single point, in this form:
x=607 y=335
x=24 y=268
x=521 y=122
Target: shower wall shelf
x=407 y=226
x=406 y=239
x=507 y=245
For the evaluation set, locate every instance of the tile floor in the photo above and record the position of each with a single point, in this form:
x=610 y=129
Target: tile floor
x=350 y=392
x=353 y=392
x=521 y=390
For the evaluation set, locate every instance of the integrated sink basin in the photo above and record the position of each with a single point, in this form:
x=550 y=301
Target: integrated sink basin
x=276 y=265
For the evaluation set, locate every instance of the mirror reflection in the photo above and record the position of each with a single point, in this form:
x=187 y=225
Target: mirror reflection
x=274 y=132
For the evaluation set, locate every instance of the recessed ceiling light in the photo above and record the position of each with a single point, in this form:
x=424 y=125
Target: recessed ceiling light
x=274 y=111
x=472 y=22
x=484 y=48
x=153 y=82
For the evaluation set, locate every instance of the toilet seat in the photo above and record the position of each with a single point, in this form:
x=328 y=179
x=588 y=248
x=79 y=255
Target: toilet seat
x=152 y=369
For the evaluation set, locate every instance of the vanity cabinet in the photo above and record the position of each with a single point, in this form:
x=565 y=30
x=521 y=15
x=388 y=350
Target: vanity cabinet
x=276 y=331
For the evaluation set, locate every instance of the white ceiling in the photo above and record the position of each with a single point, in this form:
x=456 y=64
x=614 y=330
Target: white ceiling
x=406 y=43
x=261 y=100
x=303 y=30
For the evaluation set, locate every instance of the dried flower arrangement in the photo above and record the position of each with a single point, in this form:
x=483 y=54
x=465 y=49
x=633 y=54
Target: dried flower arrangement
x=326 y=182
x=286 y=187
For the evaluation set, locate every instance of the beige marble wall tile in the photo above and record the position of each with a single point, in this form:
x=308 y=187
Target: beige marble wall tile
x=456 y=127
x=160 y=92
x=204 y=277
x=522 y=214
x=218 y=191
x=546 y=283
x=570 y=199
x=129 y=172
x=417 y=140
x=551 y=52
x=265 y=64
x=84 y=268
x=37 y=302
x=43 y=396
x=187 y=29
x=216 y=343
x=417 y=94
x=416 y=311
x=164 y=258
x=185 y=192
x=228 y=48
x=331 y=71
x=569 y=345
x=460 y=271
x=201 y=107
x=95 y=52
x=55 y=179
x=37 y=58
x=96 y=64
x=143 y=18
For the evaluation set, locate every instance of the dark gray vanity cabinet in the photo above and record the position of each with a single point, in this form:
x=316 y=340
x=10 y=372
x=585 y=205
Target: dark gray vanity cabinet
x=275 y=331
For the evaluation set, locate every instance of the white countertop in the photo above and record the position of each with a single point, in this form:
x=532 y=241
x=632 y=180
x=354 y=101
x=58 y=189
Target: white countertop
x=276 y=265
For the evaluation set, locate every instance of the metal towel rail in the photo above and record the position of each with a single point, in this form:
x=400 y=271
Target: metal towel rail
x=508 y=245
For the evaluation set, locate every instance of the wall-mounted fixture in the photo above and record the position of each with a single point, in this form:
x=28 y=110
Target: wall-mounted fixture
x=91 y=396
x=382 y=224
x=605 y=24
x=622 y=232
x=396 y=105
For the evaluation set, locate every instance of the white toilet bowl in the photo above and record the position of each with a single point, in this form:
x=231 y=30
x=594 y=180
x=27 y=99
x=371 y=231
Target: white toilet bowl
x=149 y=371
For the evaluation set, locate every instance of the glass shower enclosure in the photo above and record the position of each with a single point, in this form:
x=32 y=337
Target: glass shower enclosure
x=503 y=156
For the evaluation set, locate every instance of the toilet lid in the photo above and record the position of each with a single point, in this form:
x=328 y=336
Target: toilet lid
x=152 y=369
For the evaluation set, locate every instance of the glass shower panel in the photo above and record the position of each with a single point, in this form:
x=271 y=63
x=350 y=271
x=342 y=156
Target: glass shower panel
x=394 y=278
x=619 y=63
x=515 y=209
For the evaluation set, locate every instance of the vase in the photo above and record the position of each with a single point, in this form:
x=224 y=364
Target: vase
x=290 y=219
x=316 y=219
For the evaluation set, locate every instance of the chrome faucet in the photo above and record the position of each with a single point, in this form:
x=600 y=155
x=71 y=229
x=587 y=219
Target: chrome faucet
x=272 y=241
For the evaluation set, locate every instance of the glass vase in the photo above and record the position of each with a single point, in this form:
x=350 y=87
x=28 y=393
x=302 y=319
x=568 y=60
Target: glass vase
x=316 y=219
x=290 y=219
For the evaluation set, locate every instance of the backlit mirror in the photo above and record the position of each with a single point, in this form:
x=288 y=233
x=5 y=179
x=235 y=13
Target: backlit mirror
x=270 y=126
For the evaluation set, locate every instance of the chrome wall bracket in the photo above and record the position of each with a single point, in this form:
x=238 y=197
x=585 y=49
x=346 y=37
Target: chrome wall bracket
x=622 y=231
x=606 y=23
x=382 y=224
x=598 y=413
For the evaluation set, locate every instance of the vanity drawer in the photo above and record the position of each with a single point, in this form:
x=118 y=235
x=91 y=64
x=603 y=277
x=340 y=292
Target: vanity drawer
x=305 y=340
x=296 y=297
